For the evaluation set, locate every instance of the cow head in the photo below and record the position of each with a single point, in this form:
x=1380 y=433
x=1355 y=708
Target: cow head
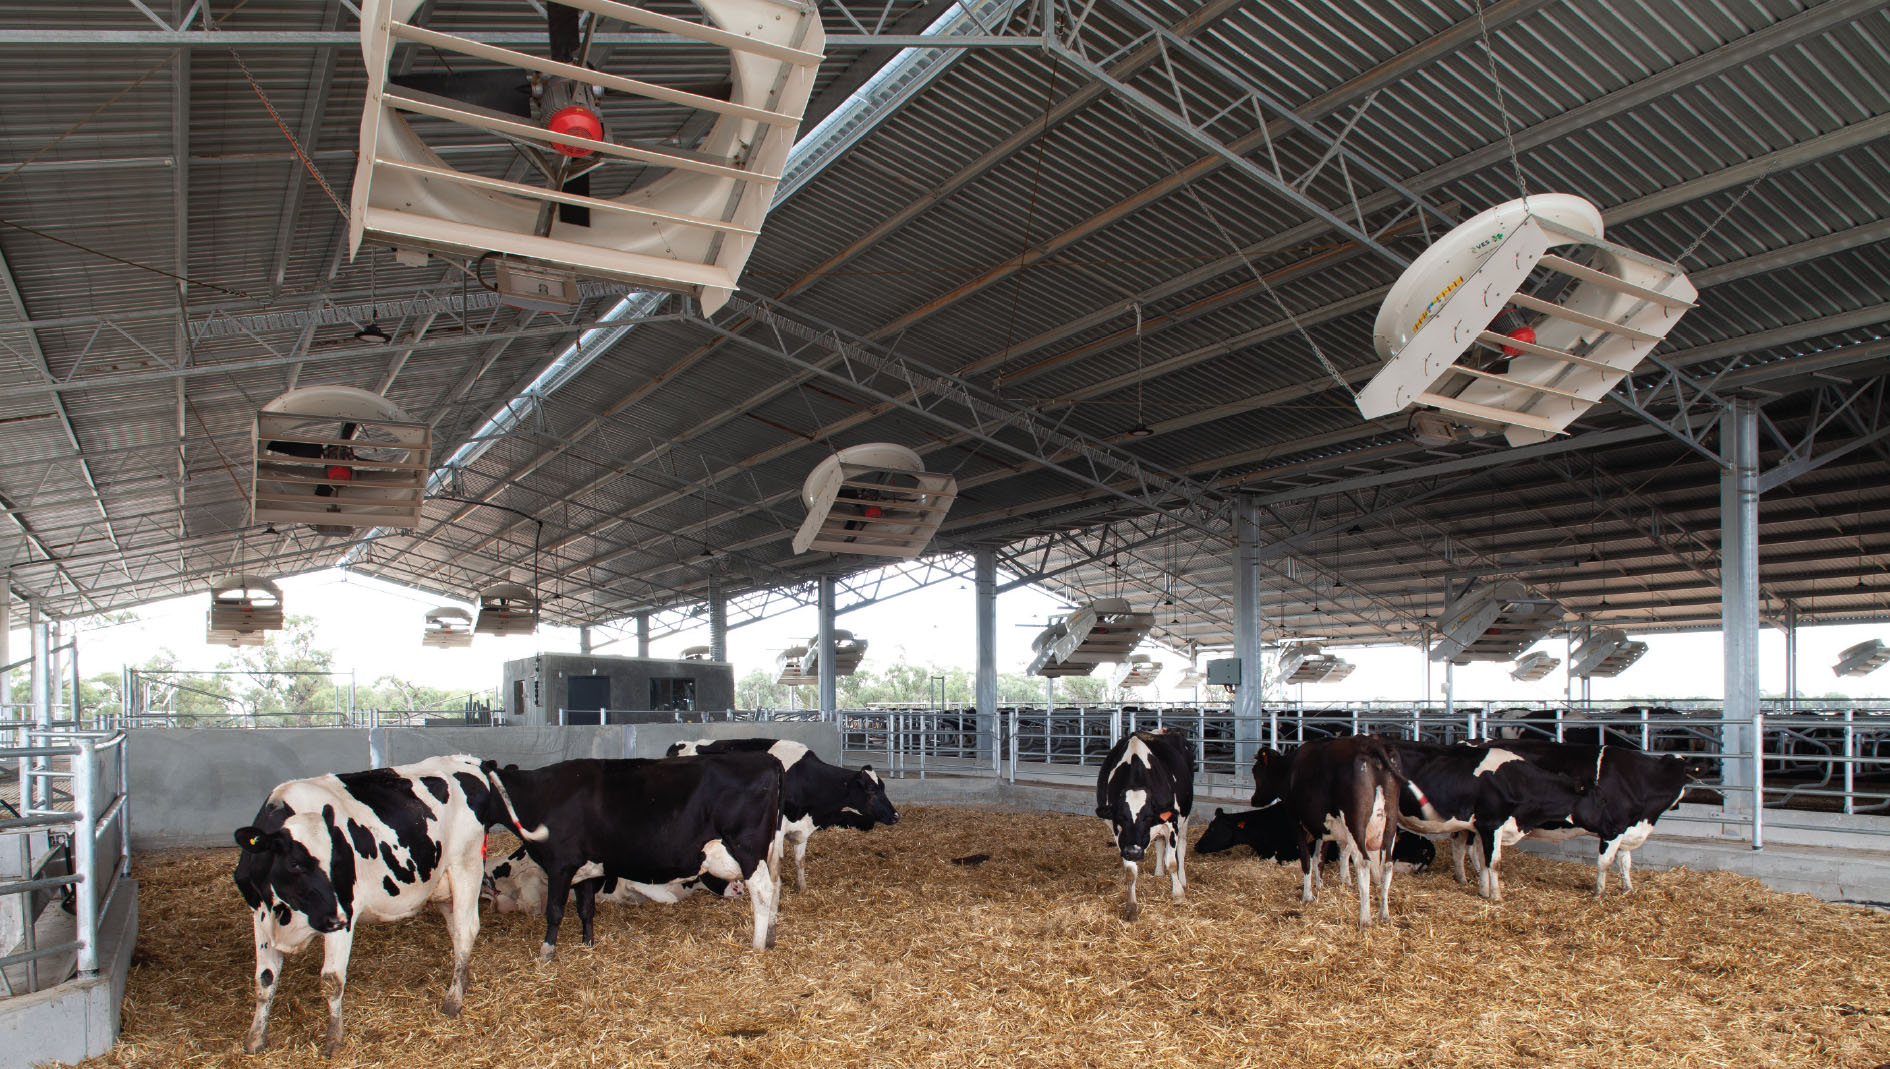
x=866 y=803
x=1270 y=771
x=288 y=872
x=1132 y=816
x=513 y=882
x=1221 y=834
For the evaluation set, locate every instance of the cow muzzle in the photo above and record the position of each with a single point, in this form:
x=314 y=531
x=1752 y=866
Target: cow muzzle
x=327 y=925
x=1133 y=853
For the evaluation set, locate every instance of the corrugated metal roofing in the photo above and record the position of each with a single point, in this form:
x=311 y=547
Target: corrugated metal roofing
x=968 y=234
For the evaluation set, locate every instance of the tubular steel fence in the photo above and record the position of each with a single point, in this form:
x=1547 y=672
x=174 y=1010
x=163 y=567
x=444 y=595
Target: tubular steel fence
x=1811 y=758
x=90 y=813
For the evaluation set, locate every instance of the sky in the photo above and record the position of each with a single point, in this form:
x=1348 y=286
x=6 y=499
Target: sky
x=374 y=629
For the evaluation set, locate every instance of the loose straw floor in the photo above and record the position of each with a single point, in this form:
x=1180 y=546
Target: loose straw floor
x=895 y=956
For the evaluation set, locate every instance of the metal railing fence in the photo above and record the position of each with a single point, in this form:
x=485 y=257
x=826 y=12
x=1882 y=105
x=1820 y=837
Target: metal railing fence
x=94 y=812
x=1827 y=760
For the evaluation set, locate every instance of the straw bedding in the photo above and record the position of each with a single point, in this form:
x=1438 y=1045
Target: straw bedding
x=896 y=956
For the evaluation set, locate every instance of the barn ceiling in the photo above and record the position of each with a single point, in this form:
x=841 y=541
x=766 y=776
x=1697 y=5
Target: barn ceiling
x=1173 y=217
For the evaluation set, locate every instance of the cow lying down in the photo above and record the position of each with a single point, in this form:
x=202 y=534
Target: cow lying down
x=1270 y=832
x=514 y=882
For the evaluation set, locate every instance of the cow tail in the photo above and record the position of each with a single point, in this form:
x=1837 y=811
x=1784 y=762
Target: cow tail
x=538 y=834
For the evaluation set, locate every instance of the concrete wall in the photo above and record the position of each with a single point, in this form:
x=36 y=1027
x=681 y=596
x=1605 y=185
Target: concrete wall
x=546 y=687
x=196 y=787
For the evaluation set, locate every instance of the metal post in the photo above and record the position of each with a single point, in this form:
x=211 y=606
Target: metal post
x=1248 y=695
x=643 y=634
x=35 y=790
x=1850 y=751
x=984 y=612
x=1013 y=746
x=1450 y=691
x=1739 y=606
x=1646 y=736
x=350 y=696
x=1791 y=655
x=584 y=640
x=718 y=624
x=828 y=680
x=85 y=854
x=78 y=719
x=6 y=632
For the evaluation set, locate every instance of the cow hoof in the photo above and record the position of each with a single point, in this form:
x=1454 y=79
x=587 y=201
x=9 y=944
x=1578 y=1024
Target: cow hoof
x=331 y=1044
x=254 y=1044
x=1130 y=911
x=450 y=1007
x=547 y=951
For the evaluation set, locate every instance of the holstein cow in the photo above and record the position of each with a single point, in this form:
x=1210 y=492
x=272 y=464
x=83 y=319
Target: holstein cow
x=1344 y=789
x=1489 y=791
x=1272 y=834
x=814 y=794
x=515 y=882
x=1624 y=792
x=664 y=823
x=328 y=852
x=1145 y=790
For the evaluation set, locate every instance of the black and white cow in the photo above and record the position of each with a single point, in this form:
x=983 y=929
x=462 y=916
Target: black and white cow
x=814 y=794
x=1624 y=792
x=1145 y=790
x=1488 y=791
x=328 y=852
x=1344 y=789
x=515 y=882
x=1272 y=834
x=663 y=823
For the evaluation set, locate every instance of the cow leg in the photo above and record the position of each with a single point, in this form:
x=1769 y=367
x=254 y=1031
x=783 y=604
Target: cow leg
x=1490 y=849
x=1129 y=907
x=1609 y=848
x=1626 y=864
x=1158 y=841
x=1384 y=888
x=557 y=889
x=764 y=900
x=1345 y=864
x=1308 y=865
x=586 y=894
x=1459 y=848
x=336 y=946
x=1178 y=883
x=798 y=840
x=268 y=975
x=462 y=923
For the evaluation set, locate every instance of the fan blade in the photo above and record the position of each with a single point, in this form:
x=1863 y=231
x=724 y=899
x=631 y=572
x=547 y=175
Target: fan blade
x=506 y=91
x=576 y=214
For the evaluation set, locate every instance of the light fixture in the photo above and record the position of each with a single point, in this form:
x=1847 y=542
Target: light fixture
x=1141 y=430
x=373 y=332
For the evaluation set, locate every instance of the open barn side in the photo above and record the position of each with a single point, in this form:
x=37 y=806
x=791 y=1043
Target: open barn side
x=904 y=952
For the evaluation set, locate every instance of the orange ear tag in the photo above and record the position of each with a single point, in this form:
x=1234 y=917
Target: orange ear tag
x=1167 y=814
x=485 y=844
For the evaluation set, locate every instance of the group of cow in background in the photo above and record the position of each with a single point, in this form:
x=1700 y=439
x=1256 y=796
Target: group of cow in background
x=328 y=852
x=1362 y=793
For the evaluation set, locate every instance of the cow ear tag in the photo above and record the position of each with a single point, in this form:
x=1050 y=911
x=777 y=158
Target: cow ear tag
x=1167 y=813
x=485 y=844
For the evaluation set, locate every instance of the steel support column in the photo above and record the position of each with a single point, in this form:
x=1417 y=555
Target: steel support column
x=1791 y=656
x=39 y=787
x=584 y=640
x=829 y=689
x=718 y=623
x=1247 y=704
x=643 y=634
x=6 y=627
x=1739 y=604
x=984 y=560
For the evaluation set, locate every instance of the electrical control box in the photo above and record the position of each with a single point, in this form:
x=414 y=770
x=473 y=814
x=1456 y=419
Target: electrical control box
x=1224 y=672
